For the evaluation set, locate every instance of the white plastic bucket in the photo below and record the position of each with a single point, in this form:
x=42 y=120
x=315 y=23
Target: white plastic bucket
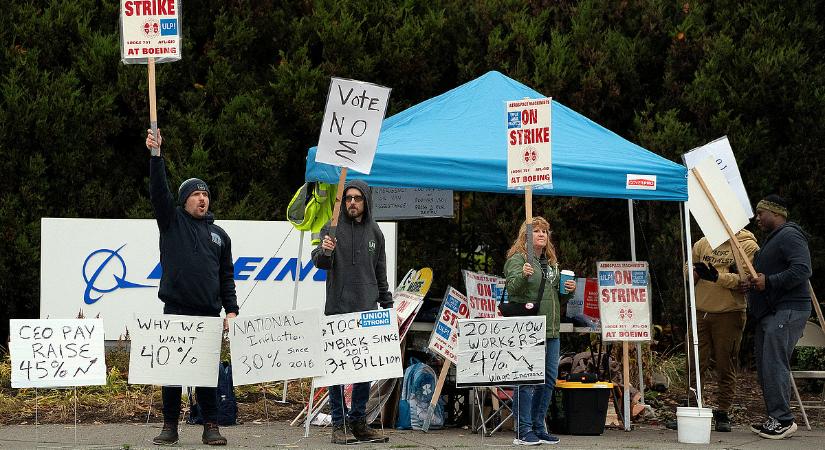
x=694 y=424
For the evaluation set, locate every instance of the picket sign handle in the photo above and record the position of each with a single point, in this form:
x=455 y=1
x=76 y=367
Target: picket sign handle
x=817 y=308
x=734 y=242
x=445 y=368
x=336 y=210
x=319 y=393
x=743 y=275
x=153 y=102
x=626 y=379
x=528 y=209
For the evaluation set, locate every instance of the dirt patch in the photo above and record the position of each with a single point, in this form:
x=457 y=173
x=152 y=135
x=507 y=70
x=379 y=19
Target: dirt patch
x=748 y=406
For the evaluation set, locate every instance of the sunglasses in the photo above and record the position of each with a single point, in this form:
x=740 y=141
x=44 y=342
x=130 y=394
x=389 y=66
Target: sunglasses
x=355 y=198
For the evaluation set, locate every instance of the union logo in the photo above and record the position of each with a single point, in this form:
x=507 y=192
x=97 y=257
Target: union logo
x=151 y=28
x=530 y=156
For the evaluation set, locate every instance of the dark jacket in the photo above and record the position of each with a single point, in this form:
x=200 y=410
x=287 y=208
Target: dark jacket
x=357 y=268
x=786 y=262
x=525 y=290
x=195 y=254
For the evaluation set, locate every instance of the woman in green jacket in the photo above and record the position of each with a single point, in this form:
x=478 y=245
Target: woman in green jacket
x=524 y=280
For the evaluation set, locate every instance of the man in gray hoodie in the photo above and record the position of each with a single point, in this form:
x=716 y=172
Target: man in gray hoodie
x=780 y=302
x=356 y=266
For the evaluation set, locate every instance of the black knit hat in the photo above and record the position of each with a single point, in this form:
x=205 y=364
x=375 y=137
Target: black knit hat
x=189 y=186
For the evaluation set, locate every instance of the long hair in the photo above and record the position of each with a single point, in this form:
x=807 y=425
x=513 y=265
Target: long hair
x=520 y=245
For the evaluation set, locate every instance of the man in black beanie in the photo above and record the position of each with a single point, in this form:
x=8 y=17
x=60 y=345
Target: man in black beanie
x=779 y=301
x=197 y=279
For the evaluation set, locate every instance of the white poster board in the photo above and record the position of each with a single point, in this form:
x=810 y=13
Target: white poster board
x=722 y=154
x=275 y=347
x=702 y=209
x=529 y=160
x=444 y=338
x=360 y=347
x=111 y=268
x=483 y=293
x=57 y=352
x=172 y=350
x=501 y=351
x=417 y=203
x=352 y=121
x=406 y=305
x=624 y=301
x=149 y=29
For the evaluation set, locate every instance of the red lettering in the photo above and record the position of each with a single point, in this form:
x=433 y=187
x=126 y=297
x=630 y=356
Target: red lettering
x=529 y=116
x=149 y=8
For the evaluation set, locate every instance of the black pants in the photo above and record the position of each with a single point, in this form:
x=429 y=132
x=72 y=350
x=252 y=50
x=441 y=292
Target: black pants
x=207 y=397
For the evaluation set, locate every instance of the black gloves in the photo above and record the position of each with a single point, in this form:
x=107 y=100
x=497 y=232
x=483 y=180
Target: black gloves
x=706 y=272
x=385 y=300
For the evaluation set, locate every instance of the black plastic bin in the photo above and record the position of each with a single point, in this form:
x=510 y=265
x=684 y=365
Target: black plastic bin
x=579 y=408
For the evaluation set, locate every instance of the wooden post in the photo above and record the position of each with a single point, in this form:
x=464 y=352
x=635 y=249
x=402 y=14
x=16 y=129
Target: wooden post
x=528 y=209
x=336 y=210
x=734 y=242
x=740 y=265
x=817 y=308
x=626 y=380
x=436 y=394
x=153 y=101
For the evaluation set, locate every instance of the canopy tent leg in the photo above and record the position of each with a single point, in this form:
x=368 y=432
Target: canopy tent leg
x=692 y=300
x=295 y=292
x=633 y=258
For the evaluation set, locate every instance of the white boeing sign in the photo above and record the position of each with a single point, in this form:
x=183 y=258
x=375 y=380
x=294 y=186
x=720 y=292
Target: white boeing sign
x=111 y=268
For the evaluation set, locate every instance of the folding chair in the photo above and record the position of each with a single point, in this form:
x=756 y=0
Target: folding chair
x=812 y=336
x=503 y=396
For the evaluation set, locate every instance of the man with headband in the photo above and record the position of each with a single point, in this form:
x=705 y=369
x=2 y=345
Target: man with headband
x=779 y=301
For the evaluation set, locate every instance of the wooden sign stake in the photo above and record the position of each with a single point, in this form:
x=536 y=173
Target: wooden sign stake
x=734 y=242
x=528 y=209
x=436 y=394
x=336 y=210
x=153 y=101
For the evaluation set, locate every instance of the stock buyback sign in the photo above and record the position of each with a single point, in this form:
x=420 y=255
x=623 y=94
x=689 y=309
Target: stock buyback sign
x=112 y=268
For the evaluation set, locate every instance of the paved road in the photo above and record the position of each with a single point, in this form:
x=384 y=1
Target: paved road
x=280 y=435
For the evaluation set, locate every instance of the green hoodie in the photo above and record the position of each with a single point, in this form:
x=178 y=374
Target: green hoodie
x=525 y=290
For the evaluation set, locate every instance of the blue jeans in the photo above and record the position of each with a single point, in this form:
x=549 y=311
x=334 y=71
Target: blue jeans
x=360 y=395
x=532 y=401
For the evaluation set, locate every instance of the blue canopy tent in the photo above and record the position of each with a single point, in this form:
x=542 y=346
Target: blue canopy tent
x=457 y=141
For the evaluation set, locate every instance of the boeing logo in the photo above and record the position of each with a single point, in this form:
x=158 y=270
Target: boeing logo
x=91 y=280
x=253 y=268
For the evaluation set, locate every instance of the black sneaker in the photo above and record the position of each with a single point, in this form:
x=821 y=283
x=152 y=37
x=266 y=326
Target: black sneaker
x=757 y=428
x=775 y=429
x=168 y=435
